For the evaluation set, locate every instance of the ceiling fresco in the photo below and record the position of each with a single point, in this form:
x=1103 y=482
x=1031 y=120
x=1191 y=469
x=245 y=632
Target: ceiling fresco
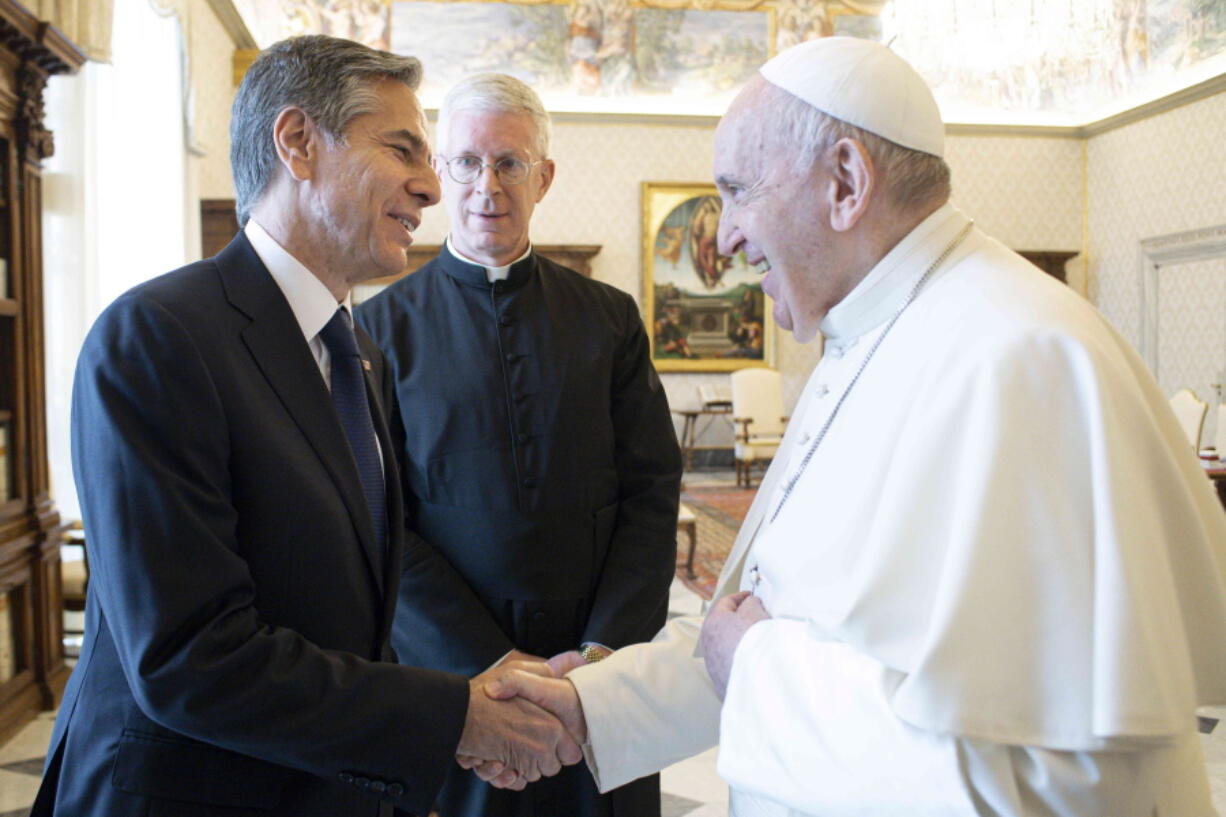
x=1029 y=62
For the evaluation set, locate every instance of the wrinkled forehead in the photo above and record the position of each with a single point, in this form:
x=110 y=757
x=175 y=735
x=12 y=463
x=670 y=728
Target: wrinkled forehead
x=748 y=138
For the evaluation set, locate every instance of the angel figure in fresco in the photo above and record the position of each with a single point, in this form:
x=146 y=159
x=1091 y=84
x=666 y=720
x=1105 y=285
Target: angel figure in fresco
x=704 y=251
x=668 y=243
x=600 y=47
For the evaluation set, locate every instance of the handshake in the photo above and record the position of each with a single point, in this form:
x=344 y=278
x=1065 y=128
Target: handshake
x=524 y=721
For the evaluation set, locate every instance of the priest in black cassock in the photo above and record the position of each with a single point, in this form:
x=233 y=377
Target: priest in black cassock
x=537 y=442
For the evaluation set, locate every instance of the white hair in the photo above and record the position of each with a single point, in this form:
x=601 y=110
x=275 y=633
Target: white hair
x=496 y=93
x=912 y=178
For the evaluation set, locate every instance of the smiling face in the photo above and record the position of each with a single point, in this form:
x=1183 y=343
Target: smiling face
x=778 y=213
x=368 y=192
x=489 y=219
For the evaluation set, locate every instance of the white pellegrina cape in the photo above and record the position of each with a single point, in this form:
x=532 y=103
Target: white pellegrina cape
x=998 y=587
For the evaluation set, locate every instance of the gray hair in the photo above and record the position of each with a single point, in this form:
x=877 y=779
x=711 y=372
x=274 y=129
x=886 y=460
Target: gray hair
x=330 y=79
x=495 y=93
x=912 y=178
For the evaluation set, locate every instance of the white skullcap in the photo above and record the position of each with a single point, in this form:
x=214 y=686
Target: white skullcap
x=865 y=84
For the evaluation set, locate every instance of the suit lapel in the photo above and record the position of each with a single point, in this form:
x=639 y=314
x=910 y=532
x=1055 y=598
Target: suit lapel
x=275 y=342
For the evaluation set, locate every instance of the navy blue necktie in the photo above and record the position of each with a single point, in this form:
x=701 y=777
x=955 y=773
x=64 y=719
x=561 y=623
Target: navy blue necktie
x=349 y=397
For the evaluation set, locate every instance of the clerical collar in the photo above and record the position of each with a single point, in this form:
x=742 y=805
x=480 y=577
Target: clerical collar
x=887 y=284
x=492 y=274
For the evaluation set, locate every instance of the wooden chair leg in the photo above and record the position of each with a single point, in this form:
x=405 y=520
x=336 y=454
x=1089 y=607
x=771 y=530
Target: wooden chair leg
x=692 y=530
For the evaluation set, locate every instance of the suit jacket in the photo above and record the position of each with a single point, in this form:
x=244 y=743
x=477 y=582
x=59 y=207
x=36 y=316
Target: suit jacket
x=237 y=657
x=542 y=463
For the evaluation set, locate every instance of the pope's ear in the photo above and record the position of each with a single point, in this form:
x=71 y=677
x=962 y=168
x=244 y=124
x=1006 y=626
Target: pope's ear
x=547 y=170
x=853 y=181
x=297 y=141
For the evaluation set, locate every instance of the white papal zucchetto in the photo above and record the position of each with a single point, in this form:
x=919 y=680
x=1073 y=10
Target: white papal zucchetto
x=864 y=84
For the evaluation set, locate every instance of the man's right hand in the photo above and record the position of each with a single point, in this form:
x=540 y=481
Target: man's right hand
x=557 y=695
x=514 y=733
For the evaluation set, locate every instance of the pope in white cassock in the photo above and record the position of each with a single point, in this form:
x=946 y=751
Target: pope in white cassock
x=987 y=574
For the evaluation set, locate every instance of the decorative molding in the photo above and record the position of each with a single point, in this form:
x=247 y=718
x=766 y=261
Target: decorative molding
x=35 y=138
x=234 y=24
x=1163 y=251
x=242 y=59
x=1193 y=93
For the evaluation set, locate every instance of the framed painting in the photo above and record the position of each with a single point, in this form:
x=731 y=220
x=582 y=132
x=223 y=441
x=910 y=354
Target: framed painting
x=705 y=312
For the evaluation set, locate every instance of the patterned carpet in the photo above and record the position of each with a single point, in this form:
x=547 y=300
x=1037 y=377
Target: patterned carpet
x=719 y=513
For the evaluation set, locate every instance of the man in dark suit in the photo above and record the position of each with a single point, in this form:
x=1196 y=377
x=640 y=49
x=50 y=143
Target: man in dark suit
x=242 y=502
x=539 y=452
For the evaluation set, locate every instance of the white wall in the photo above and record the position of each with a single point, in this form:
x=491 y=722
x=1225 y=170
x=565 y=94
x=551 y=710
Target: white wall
x=1163 y=175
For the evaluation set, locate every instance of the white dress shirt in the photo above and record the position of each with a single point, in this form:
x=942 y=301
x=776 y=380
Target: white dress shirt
x=311 y=302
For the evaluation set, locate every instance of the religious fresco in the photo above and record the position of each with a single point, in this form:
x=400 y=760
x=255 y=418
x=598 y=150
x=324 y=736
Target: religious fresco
x=1053 y=58
x=588 y=55
x=707 y=311
x=1053 y=62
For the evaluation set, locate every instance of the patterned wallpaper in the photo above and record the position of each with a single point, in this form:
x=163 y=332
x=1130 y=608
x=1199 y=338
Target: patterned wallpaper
x=1162 y=175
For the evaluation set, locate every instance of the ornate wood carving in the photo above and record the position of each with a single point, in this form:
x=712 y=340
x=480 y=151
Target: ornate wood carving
x=30 y=51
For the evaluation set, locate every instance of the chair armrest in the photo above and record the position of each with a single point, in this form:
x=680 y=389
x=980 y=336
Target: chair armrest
x=743 y=434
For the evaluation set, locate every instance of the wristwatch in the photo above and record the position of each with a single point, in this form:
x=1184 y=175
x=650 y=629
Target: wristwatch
x=591 y=653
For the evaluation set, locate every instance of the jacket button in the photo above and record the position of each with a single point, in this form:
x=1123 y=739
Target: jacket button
x=378 y=786
x=395 y=789
x=511 y=357
x=523 y=437
x=362 y=782
x=505 y=320
x=539 y=615
x=529 y=482
x=346 y=777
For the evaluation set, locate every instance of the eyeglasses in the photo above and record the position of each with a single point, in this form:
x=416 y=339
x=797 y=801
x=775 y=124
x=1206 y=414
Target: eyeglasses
x=509 y=169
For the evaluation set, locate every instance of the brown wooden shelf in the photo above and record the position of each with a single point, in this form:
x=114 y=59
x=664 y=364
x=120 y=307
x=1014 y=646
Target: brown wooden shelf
x=30 y=51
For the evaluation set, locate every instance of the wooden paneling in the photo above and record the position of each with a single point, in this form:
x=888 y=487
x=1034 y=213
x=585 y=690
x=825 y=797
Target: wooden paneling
x=30 y=51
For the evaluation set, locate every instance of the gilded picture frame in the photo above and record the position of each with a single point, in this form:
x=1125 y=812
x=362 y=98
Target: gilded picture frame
x=704 y=312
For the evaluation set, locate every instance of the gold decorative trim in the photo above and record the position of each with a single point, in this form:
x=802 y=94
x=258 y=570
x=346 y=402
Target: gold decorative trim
x=234 y=24
x=243 y=57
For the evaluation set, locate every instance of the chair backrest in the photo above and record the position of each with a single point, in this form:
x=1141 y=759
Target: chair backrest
x=758 y=393
x=1190 y=412
x=714 y=394
x=1220 y=442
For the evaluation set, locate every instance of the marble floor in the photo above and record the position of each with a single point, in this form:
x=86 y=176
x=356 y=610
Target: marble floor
x=690 y=788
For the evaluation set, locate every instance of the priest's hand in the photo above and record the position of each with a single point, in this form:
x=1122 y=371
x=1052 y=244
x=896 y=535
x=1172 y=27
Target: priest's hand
x=564 y=662
x=513 y=739
x=556 y=695
x=722 y=630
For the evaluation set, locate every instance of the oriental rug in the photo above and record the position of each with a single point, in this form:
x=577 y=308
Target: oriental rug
x=718 y=513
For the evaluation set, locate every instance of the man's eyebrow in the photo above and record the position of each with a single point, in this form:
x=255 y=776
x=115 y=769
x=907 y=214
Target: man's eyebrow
x=724 y=181
x=405 y=135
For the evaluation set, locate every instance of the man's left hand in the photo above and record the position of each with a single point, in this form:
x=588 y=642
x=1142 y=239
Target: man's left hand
x=725 y=625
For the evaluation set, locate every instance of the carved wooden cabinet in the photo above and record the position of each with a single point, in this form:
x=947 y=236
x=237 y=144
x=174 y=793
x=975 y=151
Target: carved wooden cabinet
x=32 y=670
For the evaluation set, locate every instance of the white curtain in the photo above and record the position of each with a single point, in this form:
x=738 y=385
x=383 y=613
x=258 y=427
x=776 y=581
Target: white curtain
x=114 y=209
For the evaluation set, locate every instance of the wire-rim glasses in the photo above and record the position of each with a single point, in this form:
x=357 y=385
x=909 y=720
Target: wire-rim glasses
x=510 y=170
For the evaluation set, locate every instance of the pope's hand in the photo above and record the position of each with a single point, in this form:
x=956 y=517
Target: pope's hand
x=722 y=630
x=556 y=695
x=501 y=735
